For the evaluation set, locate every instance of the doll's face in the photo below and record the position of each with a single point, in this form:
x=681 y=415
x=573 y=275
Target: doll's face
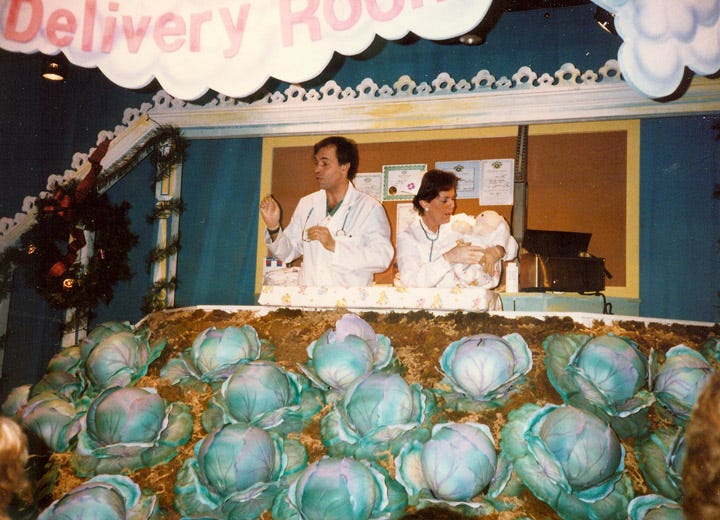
x=486 y=222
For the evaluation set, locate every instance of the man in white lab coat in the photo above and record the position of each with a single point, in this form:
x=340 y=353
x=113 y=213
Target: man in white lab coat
x=342 y=234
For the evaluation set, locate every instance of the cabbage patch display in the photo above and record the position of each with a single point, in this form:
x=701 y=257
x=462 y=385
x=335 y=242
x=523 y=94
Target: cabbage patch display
x=235 y=420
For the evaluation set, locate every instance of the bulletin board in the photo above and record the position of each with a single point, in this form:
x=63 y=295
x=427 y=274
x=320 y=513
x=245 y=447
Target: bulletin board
x=577 y=179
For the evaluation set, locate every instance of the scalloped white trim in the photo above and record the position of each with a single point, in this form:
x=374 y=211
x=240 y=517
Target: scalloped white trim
x=568 y=94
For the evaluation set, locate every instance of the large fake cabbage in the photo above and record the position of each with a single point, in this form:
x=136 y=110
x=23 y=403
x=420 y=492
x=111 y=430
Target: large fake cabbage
x=605 y=375
x=484 y=369
x=237 y=472
x=53 y=418
x=341 y=356
x=264 y=394
x=214 y=355
x=378 y=412
x=100 y=332
x=661 y=455
x=678 y=381
x=654 y=507
x=569 y=459
x=340 y=488
x=120 y=359
x=104 y=497
x=130 y=428
x=458 y=463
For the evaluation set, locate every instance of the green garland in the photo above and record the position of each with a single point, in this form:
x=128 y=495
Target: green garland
x=161 y=253
x=155 y=298
x=168 y=149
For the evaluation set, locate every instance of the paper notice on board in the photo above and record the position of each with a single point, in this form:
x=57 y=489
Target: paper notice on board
x=498 y=182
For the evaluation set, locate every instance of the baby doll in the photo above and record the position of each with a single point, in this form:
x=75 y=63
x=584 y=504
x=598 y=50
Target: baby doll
x=492 y=232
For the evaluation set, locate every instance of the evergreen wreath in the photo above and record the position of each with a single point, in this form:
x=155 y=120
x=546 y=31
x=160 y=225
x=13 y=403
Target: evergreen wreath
x=62 y=282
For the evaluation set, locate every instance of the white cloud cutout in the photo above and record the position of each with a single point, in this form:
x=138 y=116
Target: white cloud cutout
x=662 y=37
x=231 y=46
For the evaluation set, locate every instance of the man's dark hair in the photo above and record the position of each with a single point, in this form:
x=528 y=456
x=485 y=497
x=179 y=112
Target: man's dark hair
x=433 y=182
x=345 y=149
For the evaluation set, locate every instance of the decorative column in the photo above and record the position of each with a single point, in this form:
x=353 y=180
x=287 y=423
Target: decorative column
x=167 y=156
x=75 y=328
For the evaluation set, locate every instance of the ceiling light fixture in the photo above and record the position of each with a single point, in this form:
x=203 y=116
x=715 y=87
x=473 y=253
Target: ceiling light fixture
x=472 y=39
x=53 y=70
x=605 y=19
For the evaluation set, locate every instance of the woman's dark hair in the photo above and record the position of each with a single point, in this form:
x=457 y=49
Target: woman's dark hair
x=433 y=182
x=346 y=151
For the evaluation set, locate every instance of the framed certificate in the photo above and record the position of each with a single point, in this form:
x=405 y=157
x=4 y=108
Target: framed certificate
x=401 y=181
x=468 y=173
x=498 y=177
x=370 y=183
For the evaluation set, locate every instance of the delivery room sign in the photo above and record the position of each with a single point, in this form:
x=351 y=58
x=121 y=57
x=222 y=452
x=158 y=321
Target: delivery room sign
x=231 y=46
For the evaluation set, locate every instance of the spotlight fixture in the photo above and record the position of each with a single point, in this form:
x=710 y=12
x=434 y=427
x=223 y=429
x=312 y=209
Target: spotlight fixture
x=53 y=70
x=605 y=19
x=472 y=39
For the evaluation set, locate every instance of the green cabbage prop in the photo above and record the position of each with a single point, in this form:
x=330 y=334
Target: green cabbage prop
x=130 y=428
x=677 y=382
x=484 y=369
x=604 y=375
x=104 y=497
x=654 y=507
x=569 y=459
x=16 y=399
x=63 y=384
x=237 y=472
x=100 y=332
x=120 y=359
x=379 y=412
x=264 y=394
x=458 y=463
x=214 y=355
x=53 y=418
x=661 y=455
x=340 y=488
x=341 y=356
x=69 y=360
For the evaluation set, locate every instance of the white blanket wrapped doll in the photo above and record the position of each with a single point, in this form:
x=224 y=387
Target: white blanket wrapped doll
x=492 y=232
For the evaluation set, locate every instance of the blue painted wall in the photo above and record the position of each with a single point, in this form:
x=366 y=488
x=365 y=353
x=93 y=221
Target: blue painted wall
x=42 y=125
